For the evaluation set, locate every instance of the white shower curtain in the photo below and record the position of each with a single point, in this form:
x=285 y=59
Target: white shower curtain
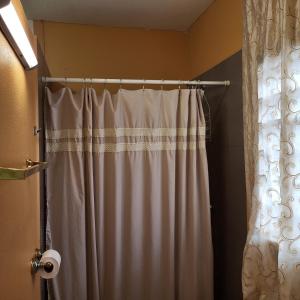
x=127 y=195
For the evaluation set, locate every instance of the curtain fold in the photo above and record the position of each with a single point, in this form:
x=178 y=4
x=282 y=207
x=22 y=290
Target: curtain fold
x=271 y=59
x=127 y=195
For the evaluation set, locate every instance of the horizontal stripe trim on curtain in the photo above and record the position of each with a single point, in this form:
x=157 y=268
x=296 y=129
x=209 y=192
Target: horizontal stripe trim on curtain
x=120 y=132
x=81 y=140
x=70 y=146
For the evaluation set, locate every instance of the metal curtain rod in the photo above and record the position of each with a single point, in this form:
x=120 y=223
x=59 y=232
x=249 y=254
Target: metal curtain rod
x=134 y=81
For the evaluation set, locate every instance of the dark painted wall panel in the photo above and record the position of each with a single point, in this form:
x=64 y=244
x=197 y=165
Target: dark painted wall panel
x=226 y=175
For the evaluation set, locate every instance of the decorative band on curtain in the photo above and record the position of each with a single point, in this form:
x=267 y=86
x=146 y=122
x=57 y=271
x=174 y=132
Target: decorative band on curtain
x=149 y=139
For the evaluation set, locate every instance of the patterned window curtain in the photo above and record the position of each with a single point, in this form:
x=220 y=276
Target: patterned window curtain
x=271 y=268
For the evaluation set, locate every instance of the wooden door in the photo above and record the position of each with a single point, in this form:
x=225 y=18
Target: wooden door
x=19 y=200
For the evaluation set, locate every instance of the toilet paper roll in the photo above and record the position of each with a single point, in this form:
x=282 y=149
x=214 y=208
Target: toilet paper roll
x=53 y=257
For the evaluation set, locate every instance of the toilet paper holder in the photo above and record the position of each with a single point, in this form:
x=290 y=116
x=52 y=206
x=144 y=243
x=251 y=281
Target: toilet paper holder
x=37 y=265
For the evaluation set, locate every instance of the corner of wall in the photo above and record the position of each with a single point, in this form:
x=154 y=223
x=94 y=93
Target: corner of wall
x=215 y=36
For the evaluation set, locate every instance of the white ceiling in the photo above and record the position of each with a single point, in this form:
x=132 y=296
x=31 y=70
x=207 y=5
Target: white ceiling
x=152 y=14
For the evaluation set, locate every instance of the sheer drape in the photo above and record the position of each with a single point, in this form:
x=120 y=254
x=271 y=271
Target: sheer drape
x=127 y=195
x=272 y=144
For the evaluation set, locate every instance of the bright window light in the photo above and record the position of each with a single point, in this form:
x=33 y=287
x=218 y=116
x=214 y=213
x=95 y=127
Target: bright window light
x=17 y=32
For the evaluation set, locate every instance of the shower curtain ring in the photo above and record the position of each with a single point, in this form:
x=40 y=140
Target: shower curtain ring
x=144 y=85
x=120 y=84
x=162 y=83
x=179 y=84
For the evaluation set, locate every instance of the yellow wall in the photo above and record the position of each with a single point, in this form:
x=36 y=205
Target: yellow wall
x=217 y=34
x=94 y=51
x=19 y=200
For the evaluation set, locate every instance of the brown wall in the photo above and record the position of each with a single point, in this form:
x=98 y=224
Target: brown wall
x=19 y=200
x=215 y=36
x=226 y=168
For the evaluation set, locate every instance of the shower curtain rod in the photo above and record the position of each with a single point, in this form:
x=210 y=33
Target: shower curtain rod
x=134 y=81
